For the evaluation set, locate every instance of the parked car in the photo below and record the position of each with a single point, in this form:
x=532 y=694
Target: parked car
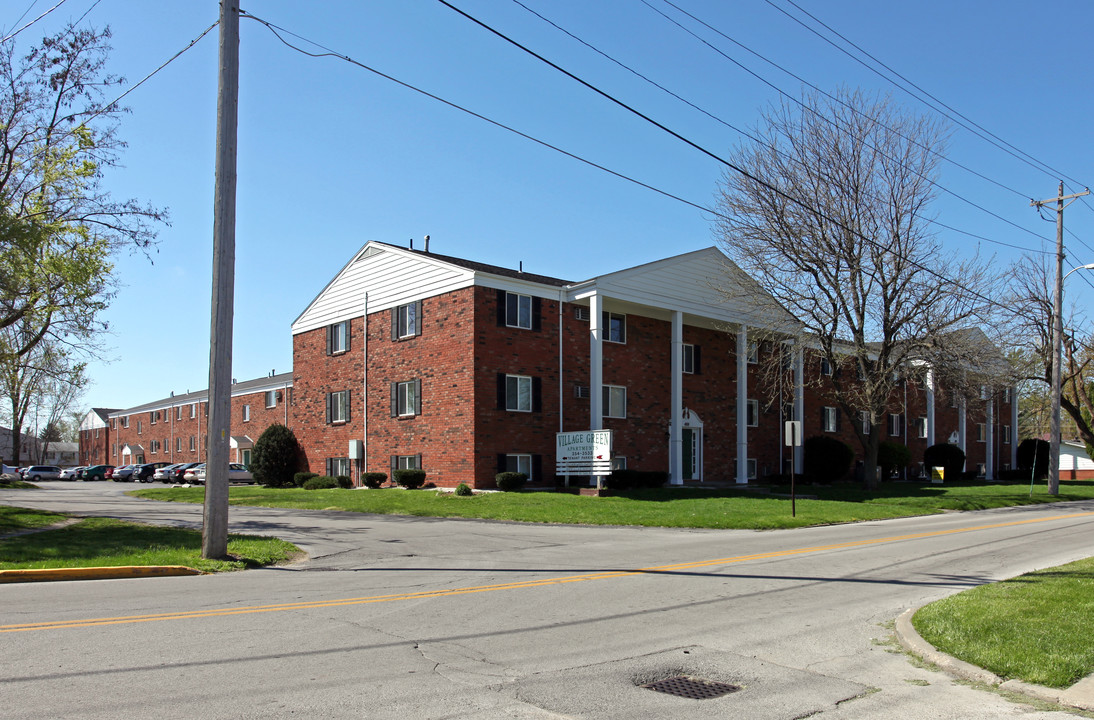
x=189 y=474
x=123 y=473
x=166 y=473
x=71 y=473
x=43 y=472
x=179 y=473
x=97 y=472
x=108 y=474
x=236 y=474
x=145 y=473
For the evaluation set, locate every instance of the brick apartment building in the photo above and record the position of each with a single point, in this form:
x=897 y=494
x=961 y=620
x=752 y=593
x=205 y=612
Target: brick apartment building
x=412 y=359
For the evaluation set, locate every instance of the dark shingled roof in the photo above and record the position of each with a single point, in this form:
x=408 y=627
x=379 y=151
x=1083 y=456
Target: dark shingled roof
x=484 y=268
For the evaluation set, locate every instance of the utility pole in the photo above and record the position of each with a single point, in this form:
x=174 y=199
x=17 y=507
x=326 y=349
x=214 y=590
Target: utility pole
x=1057 y=334
x=214 y=537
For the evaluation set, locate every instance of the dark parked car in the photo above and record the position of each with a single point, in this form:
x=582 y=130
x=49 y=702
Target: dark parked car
x=178 y=474
x=97 y=472
x=144 y=473
x=122 y=473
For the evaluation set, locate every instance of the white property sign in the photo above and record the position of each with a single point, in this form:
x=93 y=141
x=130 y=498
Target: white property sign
x=588 y=452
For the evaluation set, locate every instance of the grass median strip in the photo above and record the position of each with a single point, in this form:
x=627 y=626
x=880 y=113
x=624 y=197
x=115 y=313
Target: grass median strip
x=665 y=507
x=1035 y=627
x=103 y=542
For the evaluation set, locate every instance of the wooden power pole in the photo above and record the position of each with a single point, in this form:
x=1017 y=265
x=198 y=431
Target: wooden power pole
x=214 y=537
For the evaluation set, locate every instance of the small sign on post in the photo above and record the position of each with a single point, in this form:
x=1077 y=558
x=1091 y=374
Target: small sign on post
x=793 y=438
x=586 y=452
x=938 y=475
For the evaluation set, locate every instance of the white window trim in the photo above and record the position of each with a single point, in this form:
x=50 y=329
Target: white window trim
x=339 y=341
x=829 y=424
x=520 y=298
x=405 y=400
x=921 y=428
x=608 y=317
x=246 y=413
x=271 y=395
x=981 y=432
x=753 y=352
x=406 y=462
x=687 y=359
x=339 y=402
x=894 y=425
x=752 y=415
x=403 y=327
x=526 y=458
x=607 y=401
x=512 y=400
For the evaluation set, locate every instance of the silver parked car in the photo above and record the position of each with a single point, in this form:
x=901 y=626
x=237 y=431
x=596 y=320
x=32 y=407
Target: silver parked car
x=236 y=474
x=43 y=472
x=124 y=473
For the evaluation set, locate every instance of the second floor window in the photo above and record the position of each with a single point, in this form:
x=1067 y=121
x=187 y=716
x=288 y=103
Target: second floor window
x=615 y=401
x=338 y=338
x=406 y=398
x=338 y=407
x=406 y=321
x=518 y=311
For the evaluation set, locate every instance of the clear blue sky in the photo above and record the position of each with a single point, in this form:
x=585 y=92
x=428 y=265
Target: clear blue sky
x=331 y=156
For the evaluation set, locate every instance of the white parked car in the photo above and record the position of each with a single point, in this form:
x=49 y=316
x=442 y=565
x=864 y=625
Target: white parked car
x=71 y=473
x=236 y=474
x=166 y=474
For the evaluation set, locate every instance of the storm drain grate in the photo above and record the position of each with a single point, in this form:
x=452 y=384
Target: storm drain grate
x=694 y=688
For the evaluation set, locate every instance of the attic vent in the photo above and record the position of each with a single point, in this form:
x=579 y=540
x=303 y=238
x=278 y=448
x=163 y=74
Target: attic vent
x=369 y=253
x=581 y=391
x=581 y=313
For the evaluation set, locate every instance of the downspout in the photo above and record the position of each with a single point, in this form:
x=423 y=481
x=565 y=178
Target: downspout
x=363 y=465
x=561 y=395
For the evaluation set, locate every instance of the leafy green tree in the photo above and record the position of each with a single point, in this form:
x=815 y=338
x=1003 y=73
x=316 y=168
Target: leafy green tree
x=276 y=456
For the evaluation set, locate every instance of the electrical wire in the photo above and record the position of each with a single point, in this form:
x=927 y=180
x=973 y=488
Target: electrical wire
x=753 y=138
x=991 y=137
x=837 y=100
x=327 y=52
x=47 y=12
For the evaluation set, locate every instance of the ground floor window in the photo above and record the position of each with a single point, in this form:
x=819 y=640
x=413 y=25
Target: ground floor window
x=406 y=462
x=336 y=466
x=519 y=463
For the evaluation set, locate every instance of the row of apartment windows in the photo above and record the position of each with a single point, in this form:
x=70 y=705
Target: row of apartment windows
x=270 y=398
x=830 y=422
x=156 y=446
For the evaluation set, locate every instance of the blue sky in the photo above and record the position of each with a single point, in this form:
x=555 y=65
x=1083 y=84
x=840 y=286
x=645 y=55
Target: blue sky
x=332 y=156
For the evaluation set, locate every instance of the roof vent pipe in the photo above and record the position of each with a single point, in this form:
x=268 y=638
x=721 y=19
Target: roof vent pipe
x=521 y=266
x=427 y=243
x=411 y=243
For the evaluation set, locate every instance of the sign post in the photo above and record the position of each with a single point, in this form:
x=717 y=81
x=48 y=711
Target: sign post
x=793 y=432
x=586 y=452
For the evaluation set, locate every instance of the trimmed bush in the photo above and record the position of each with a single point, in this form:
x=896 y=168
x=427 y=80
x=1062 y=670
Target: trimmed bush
x=826 y=458
x=373 y=479
x=409 y=479
x=949 y=457
x=275 y=457
x=892 y=457
x=1033 y=450
x=510 y=481
x=464 y=490
x=320 y=482
x=636 y=479
x=302 y=477
x=344 y=481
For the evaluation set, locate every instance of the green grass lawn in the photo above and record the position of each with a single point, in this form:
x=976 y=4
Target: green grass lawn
x=665 y=507
x=1034 y=627
x=102 y=542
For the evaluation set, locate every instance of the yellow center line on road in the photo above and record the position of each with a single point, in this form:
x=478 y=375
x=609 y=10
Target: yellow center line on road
x=429 y=594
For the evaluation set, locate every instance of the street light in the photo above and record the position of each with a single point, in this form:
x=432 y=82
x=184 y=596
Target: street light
x=1057 y=361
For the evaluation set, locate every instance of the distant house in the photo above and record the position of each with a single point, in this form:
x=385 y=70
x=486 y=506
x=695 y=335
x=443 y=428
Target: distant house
x=1075 y=463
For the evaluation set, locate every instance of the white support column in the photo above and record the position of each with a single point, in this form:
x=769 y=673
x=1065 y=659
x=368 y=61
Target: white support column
x=742 y=404
x=676 y=404
x=799 y=401
x=1014 y=428
x=930 y=407
x=989 y=450
x=596 y=363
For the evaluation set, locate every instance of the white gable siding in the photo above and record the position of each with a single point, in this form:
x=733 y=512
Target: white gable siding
x=390 y=278
x=92 y=421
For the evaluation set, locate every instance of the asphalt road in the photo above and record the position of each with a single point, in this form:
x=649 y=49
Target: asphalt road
x=422 y=618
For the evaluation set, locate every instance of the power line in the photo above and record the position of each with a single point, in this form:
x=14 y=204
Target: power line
x=837 y=100
x=47 y=12
x=748 y=135
x=1031 y=161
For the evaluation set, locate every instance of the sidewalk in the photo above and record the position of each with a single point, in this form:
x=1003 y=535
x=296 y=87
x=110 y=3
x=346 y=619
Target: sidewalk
x=1080 y=695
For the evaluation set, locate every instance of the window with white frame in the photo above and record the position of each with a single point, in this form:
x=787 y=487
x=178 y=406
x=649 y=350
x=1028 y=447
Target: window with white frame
x=338 y=338
x=271 y=398
x=615 y=401
x=751 y=468
x=752 y=413
x=178 y=412
x=407 y=462
x=690 y=360
x=619 y=462
x=825 y=366
x=864 y=419
x=114 y=450
x=615 y=327
x=125 y=421
x=518 y=310
x=518 y=393
x=338 y=466
x=193 y=410
x=337 y=407
x=921 y=427
x=178 y=444
x=1006 y=434
x=246 y=413
x=753 y=352
x=193 y=443
x=406 y=321
x=406 y=398
x=140 y=427
x=1006 y=395
x=895 y=424
x=519 y=462
x=153 y=417
x=830 y=419
x=981 y=432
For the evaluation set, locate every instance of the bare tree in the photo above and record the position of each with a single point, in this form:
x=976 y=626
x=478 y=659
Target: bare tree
x=832 y=218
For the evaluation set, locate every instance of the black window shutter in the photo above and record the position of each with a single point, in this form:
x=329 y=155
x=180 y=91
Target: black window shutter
x=838 y=423
x=537 y=306
x=394 y=399
x=501 y=308
x=537 y=393
x=501 y=463
x=418 y=318
x=330 y=341
x=394 y=323
x=348 y=405
x=394 y=466
x=328 y=408
x=328 y=467
x=418 y=461
x=349 y=326
x=501 y=391
x=695 y=356
x=537 y=468
x=418 y=397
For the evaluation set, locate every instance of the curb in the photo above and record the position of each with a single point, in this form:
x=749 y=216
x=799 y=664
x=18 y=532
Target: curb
x=1080 y=695
x=96 y=573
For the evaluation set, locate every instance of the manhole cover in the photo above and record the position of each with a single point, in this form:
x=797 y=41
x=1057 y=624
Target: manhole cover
x=694 y=688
